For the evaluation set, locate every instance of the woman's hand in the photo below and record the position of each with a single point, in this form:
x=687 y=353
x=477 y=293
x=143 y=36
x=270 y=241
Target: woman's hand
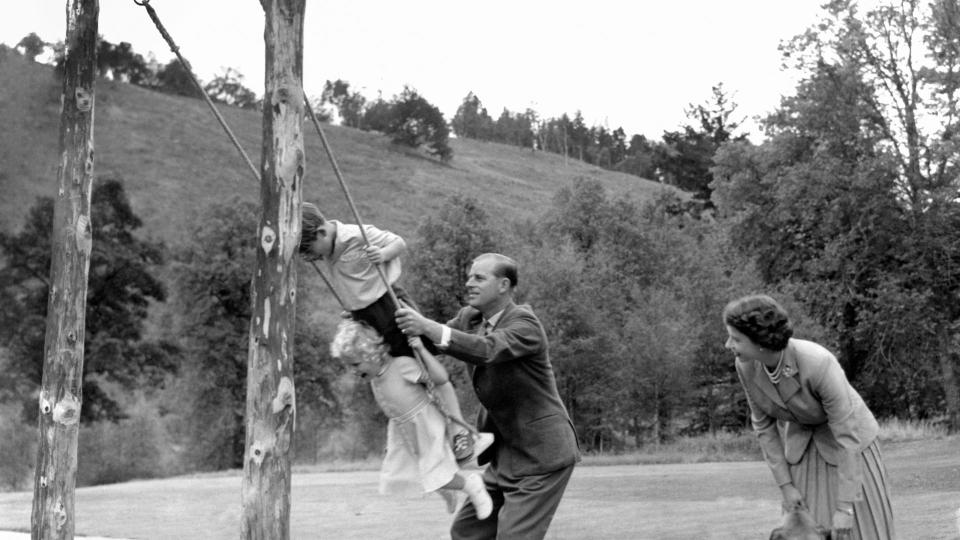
x=842 y=525
x=792 y=498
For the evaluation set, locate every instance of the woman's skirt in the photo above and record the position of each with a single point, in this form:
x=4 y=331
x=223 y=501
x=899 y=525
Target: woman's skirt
x=817 y=481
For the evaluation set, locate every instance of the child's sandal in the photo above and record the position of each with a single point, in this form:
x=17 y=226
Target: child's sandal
x=462 y=446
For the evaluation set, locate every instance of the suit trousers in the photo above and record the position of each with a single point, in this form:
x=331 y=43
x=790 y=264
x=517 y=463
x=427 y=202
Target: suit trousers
x=523 y=507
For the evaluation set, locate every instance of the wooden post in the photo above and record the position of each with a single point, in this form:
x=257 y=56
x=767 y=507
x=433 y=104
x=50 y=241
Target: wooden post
x=71 y=239
x=271 y=406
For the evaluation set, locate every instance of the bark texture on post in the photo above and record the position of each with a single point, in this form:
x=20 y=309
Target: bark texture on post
x=271 y=406
x=71 y=239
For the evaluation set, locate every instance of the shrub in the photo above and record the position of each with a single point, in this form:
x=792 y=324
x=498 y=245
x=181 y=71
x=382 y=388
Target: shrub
x=18 y=446
x=136 y=447
x=895 y=429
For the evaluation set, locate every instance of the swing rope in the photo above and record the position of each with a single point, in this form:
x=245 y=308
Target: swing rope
x=393 y=296
x=223 y=123
x=186 y=66
x=326 y=146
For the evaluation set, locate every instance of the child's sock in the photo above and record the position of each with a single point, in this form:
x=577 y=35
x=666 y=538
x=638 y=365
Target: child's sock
x=476 y=490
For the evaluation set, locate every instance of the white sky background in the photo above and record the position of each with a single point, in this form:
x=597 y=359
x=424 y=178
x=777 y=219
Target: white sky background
x=634 y=64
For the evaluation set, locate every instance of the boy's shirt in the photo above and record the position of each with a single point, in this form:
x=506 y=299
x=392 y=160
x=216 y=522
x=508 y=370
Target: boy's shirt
x=356 y=279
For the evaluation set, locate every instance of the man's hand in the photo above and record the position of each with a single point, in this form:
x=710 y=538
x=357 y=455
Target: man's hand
x=411 y=322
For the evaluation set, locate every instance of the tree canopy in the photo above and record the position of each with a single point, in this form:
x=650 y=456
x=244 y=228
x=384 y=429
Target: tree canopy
x=121 y=287
x=852 y=199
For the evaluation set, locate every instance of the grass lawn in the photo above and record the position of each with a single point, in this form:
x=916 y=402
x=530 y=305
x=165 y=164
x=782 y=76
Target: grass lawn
x=678 y=501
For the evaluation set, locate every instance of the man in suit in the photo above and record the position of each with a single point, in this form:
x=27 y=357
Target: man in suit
x=535 y=446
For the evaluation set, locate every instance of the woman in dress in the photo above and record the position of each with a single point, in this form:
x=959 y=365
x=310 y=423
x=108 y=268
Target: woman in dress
x=817 y=435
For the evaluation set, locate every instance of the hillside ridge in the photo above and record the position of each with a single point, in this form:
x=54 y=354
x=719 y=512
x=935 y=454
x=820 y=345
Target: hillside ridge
x=176 y=161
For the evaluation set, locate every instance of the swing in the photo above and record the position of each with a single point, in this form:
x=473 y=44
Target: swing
x=336 y=169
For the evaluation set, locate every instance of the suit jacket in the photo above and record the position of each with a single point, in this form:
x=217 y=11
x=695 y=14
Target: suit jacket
x=812 y=401
x=514 y=381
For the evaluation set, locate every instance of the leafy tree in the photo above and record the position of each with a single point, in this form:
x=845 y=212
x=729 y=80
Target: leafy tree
x=439 y=260
x=19 y=443
x=173 y=78
x=32 y=46
x=445 y=247
x=857 y=189
x=586 y=202
x=378 y=116
x=349 y=104
x=639 y=158
x=228 y=88
x=122 y=63
x=120 y=290
x=558 y=285
x=633 y=260
x=322 y=113
x=559 y=139
x=686 y=156
x=213 y=273
x=579 y=135
x=657 y=345
x=599 y=152
x=213 y=277
x=513 y=129
x=618 y=146
x=415 y=122
x=533 y=120
x=471 y=120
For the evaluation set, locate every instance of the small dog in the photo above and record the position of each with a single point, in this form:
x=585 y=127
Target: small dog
x=799 y=525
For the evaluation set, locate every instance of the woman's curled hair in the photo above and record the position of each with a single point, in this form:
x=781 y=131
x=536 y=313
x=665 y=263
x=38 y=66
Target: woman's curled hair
x=760 y=318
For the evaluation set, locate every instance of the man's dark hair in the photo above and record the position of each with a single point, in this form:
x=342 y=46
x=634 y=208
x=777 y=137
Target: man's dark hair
x=311 y=223
x=504 y=267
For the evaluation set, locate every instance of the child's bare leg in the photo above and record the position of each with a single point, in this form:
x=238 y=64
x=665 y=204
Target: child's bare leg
x=460 y=437
x=456 y=483
x=458 y=434
x=451 y=404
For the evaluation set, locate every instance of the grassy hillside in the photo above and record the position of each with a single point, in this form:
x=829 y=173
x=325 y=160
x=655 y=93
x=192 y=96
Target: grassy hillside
x=175 y=161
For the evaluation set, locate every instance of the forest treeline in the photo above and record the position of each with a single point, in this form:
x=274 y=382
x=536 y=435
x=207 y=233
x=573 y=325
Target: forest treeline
x=847 y=211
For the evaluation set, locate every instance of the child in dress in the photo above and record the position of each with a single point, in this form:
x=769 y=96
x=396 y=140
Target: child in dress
x=351 y=266
x=418 y=453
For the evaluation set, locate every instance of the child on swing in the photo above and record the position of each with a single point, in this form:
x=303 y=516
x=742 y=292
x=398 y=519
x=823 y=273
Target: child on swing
x=417 y=449
x=351 y=267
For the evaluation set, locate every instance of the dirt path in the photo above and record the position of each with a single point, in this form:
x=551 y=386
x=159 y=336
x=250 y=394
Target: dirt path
x=725 y=501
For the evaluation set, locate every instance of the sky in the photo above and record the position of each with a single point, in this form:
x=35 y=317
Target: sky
x=635 y=64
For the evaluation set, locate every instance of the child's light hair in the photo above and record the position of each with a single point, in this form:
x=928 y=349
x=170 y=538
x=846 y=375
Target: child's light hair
x=355 y=340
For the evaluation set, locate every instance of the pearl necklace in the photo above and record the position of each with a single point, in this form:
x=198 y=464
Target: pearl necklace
x=777 y=372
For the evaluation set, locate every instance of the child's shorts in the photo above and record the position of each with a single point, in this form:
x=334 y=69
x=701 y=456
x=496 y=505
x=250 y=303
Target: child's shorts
x=381 y=315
